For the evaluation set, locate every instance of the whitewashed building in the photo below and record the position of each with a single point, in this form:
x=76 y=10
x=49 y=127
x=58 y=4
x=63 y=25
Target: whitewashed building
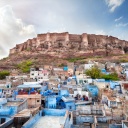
x=39 y=74
x=88 y=66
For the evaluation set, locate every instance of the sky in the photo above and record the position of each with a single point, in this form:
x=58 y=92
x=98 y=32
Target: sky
x=24 y=19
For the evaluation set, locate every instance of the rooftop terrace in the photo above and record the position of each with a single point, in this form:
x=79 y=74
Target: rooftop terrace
x=48 y=122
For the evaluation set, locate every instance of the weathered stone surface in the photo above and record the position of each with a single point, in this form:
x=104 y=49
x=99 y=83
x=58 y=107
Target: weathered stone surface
x=62 y=44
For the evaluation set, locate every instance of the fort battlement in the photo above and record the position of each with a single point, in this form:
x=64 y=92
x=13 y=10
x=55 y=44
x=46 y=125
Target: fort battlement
x=102 y=44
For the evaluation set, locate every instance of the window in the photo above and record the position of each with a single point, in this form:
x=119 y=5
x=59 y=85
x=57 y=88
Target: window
x=38 y=100
x=70 y=107
x=69 y=116
x=107 y=86
x=119 y=103
x=3 y=120
x=112 y=102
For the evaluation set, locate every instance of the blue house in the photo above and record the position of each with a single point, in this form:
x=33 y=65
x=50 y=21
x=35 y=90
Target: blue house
x=93 y=89
x=65 y=101
x=115 y=85
x=10 y=106
x=69 y=103
x=60 y=101
x=48 y=93
x=63 y=93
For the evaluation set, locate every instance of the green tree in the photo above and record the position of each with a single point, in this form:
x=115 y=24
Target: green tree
x=112 y=76
x=25 y=66
x=3 y=74
x=94 y=72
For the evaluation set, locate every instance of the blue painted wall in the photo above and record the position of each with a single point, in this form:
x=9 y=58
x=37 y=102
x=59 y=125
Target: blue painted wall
x=10 y=110
x=7 y=123
x=54 y=112
x=14 y=109
x=48 y=93
x=5 y=112
x=83 y=119
x=32 y=121
x=101 y=119
x=113 y=84
x=6 y=117
x=70 y=105
x=93 y=90
x=115 y=126
x=50 y=102
x=63 y=93
x=49 y=112
x=68 y=122
x=44 y=88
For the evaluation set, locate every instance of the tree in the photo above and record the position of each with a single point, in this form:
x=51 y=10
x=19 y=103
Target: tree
x=3 y=74
x=25 y=66
x=94 y=72
x=112 y=76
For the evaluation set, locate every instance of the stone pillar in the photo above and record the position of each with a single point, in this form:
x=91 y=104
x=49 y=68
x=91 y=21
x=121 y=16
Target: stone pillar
x=48 y=37
x=67 y=37
x=38 y=42
x=85 y=39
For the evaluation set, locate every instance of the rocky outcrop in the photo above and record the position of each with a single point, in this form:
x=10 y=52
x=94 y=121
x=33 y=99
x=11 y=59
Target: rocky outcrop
x=67 y=45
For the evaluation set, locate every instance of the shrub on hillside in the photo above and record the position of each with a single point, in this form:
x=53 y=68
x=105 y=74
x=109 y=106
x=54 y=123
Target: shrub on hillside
x=3 y=74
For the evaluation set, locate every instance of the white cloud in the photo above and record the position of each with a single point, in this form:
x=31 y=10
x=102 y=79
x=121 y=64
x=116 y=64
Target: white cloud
x=118 y=19
x=122 y=25
x=12 y=30
x=100 y=32
x=113 y=4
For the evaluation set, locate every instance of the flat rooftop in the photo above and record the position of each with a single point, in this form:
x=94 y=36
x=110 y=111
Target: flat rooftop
x=26 y=112
x=13 y=103
x=48 y=122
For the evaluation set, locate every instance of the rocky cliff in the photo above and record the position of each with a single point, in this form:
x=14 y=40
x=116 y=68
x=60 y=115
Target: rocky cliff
x=59 y=48
x=65 y=45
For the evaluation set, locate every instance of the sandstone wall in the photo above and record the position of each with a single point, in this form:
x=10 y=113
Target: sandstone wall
x=64 y=43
